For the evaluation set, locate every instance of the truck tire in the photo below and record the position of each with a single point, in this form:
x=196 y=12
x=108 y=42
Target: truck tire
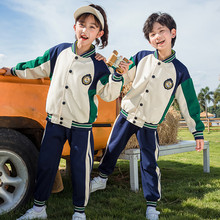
x=18 y=165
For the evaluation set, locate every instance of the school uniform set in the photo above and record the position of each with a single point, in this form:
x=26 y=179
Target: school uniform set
x=155 y=85
x=72 y=108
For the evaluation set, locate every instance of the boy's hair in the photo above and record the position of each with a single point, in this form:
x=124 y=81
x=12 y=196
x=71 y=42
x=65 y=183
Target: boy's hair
x=163 y=19
x=104 y=37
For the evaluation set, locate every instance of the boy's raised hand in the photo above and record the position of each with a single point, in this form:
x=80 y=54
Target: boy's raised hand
x=125 y=66
x=199 y=144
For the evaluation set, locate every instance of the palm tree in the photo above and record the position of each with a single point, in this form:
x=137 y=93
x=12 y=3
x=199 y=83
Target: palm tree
x=205 y=96
x=216 y=96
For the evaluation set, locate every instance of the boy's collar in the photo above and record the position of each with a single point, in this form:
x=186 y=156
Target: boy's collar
x=169 y=59
x=86 y=54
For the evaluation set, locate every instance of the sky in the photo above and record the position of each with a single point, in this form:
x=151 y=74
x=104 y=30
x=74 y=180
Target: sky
x=29 y=28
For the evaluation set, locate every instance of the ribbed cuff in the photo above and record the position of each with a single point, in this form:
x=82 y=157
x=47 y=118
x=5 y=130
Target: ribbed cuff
x=198 y=135
x=39 y=203
x=79 y=209
x=152 y=203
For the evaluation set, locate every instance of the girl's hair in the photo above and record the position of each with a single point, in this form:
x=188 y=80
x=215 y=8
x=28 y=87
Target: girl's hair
x=163 y=19
x=104 y=37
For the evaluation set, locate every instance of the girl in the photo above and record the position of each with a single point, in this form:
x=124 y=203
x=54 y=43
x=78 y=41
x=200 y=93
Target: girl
x=76 y=78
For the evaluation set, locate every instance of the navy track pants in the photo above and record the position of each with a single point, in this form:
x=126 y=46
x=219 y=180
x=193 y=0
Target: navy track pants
x=149 y=151
x=81 y=156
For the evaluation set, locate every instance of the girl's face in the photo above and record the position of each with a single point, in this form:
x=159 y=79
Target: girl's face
x=161 y=37
x=87 y=30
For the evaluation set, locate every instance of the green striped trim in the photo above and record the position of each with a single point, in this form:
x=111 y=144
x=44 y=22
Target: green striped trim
x=13 y=71
x=49 y=116
x=123 y=112
x=167 y=108
x=102 y=175
x=147 y=125
x=169 y=59
x=192 y=105
x=198 y=135
x=34 y=63
x=39 y=203
x=133 y=64
x=79 y=209
x=104 y=80
x=93 y=106
x=78 y=125
x=85 y=55
x=151 y=203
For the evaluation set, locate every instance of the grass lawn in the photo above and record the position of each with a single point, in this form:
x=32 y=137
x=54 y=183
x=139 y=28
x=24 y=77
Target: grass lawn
x=187 y=192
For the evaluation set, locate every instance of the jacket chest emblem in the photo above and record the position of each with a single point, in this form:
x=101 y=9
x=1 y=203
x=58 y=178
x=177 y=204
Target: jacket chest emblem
x=86 y=80
x=168 y=84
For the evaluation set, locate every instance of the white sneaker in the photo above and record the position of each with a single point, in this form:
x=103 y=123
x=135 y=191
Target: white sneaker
x=79 y=216
x=32 y=214
x=152 y=214
x=98 y=183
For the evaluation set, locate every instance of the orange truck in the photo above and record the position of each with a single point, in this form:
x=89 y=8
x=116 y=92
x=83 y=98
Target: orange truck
x=22 y=123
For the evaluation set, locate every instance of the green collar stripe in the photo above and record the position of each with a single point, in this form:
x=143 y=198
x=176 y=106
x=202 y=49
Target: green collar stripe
x=85 y=55
x=169 y=59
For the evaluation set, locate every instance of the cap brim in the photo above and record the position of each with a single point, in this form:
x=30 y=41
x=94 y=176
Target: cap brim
x=91 y=10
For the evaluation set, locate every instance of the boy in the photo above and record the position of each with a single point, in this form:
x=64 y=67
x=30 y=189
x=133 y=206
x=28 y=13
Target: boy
x=158 y=77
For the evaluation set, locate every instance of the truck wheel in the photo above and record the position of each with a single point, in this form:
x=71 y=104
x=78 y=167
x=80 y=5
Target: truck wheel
x=18 y=164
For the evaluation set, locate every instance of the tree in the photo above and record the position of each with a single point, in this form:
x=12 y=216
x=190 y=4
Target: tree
x=216 y=96
x=205 y=96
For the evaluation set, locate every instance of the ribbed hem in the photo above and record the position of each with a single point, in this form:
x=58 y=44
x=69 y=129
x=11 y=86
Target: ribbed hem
x=39 y=203
x=102 y=175
x=79 y=209
x=152 y=203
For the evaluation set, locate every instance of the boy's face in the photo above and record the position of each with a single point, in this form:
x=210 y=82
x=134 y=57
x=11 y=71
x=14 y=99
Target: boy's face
x=160 y=37
x=87 y=30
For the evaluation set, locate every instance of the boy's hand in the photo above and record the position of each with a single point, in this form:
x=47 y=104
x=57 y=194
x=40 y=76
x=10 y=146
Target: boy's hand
x=5 y=71
x=99 y=57
x=125 y=66
x=199 y=144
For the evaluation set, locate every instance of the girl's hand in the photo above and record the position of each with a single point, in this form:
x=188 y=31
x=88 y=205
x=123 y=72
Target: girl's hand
x=5 y=71
x=99 y=57
x=125 y=66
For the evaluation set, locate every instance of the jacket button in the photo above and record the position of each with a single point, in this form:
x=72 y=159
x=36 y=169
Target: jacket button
x=70 y=71
x=153 y=76
x=61 y=118
x=66 y=87
x=134 y=122
x=135 y=118
x=63 y=103
x=159 y=63
x=141 y=104
x=61 y=122
x=147 y=90
x=76 y=58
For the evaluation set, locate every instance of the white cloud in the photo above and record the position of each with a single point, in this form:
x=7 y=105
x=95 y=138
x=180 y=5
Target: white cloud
x=40 y=24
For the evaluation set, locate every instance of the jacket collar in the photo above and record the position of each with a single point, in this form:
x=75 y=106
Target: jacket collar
x=169 y=59
x=85 y=55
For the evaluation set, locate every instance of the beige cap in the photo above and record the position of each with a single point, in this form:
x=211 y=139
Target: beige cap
x=89 y=9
